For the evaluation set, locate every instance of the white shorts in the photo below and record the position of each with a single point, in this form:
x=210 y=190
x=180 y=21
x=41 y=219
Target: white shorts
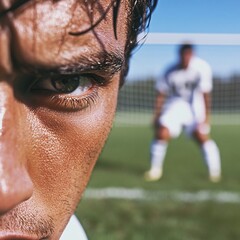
x=178 y=114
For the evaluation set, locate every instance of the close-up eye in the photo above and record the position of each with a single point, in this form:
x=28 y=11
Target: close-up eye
x=72 y=85
x=66 y=92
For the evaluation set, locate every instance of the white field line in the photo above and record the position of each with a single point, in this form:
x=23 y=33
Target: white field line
x=147 y=195
x=194 y=38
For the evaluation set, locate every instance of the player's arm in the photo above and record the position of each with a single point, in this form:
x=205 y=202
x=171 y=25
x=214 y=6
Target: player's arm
x=206 y=86
x=207 y=103
x=162 y=89
x=160 y=98
x=204 y=127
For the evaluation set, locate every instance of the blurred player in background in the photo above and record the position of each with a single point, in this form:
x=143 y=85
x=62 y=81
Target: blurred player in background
x=183 y=101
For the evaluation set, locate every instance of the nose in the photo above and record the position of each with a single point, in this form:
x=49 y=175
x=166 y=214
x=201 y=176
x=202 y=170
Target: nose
x=15 y=183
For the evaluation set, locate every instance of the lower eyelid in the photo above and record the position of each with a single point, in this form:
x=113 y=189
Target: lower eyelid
x=71 y=103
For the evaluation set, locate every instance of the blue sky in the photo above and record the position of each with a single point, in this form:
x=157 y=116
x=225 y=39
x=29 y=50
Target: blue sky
x=191 y=16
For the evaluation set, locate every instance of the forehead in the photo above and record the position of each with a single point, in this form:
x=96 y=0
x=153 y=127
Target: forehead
x=42 y=29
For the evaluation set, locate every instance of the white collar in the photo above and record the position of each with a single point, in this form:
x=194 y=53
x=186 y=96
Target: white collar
x=73 y=230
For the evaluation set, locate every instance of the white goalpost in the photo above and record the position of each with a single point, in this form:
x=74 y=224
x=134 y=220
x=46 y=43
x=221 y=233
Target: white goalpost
x=136 y=98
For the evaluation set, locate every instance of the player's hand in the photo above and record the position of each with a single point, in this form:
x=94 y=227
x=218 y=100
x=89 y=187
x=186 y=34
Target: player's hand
x=155 y=122
x=204 y=128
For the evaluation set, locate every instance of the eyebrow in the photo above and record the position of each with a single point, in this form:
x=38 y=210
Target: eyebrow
x=104 y=62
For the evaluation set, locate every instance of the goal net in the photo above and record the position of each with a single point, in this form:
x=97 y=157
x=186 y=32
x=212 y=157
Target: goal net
x=136 y=98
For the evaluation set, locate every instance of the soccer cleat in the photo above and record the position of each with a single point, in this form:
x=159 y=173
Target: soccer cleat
x=153 y=175
x=215 y=178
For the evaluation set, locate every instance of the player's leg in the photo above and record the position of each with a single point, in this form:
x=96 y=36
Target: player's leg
x=169 y=126
x=209 y=148
x=210 y=153
x=158 y=151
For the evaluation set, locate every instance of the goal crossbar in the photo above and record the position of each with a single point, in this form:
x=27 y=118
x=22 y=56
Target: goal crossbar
x=194 y=38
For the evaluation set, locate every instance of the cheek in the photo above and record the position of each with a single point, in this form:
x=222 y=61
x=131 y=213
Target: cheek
x=65 y=147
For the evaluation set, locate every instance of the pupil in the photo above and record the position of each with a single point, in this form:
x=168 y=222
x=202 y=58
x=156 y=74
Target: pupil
x=66 y=85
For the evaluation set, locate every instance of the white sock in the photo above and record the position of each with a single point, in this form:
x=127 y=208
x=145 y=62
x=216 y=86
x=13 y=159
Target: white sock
x=158 y=152
x=212 y=157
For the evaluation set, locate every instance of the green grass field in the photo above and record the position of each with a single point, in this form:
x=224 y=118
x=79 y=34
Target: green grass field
x=122 y=164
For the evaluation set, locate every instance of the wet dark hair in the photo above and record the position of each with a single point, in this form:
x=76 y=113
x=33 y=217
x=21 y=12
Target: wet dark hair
x=139 y=18
x=186 y=46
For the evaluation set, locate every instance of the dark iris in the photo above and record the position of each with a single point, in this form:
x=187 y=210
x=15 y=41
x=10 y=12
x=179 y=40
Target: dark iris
x=65 y=85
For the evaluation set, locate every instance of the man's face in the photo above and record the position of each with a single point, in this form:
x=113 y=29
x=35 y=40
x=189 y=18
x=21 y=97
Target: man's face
x=185 y=57
x=58 y=95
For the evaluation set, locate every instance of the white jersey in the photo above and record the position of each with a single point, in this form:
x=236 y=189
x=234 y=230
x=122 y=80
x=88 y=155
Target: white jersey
x=184 y=88
x=186 y=83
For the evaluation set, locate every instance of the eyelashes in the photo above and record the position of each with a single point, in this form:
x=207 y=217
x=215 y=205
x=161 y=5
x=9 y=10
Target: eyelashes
x=66 y=103
x=67 y=92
